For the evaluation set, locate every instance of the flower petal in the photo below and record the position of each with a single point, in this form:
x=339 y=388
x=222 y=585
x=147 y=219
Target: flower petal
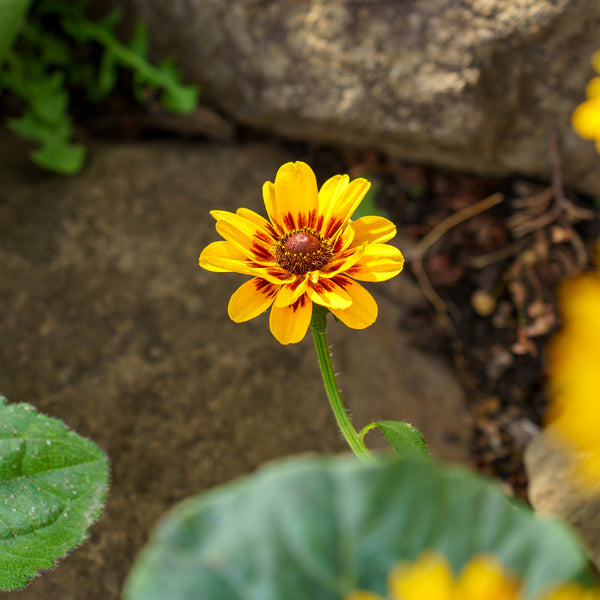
x=592 y=89
x=291 y=291
x=342 y=261
x=338 y=199
x=362 y=595
x=372 y=229
x=363 y=310
x=586 y=119
x=290 y=323
x=271 y=206
x=379 y=262
x=258 y=220
x=296 y=197
x=251 y=299
x=254 y=241
x=223 y=257
x=429 y=577
x=329 y=293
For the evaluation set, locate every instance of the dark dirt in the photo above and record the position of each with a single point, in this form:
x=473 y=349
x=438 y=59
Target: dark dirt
x=490 y=279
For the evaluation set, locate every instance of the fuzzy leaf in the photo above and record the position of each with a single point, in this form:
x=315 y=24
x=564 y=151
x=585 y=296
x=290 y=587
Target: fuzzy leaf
x=52 y=486
x=405 y=439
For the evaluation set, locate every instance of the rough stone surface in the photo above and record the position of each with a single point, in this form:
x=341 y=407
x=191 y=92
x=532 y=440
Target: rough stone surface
x=474 y=85
x=554 y=491
x=107 y=322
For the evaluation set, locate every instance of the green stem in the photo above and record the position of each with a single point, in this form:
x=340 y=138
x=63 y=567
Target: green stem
x=318 y=326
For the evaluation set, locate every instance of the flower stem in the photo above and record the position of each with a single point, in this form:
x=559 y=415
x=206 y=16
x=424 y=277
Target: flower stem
x=318 y=326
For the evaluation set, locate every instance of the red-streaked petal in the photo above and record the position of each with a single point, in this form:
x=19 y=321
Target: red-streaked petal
x=338 y=200
x=329 y=293
x=296 y=196
x=363 y=310
x=290 y=292
x=273 y=273
x=251 y=299
x=346 y=239
x=290 y=323
x=259 y=220
x=248 y=231
x=379 y=262
x=271 y=206
x=342 y=261
x=255 y=245
x=223 y=257
x=372 y=229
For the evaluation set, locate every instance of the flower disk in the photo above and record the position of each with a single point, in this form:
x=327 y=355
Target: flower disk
x=309 y=251
x=301 y=252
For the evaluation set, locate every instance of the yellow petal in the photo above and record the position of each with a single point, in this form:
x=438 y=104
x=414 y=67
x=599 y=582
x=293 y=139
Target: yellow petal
x=592 y=89
x=483 y=577
x=254 y=241
x=338 y=200
x=362 y=595
x=251 y=299
x=330 y=292
x=290 y=292
x=596 y=61
x=586 y=119
x=379 y=262
x=223 y=257
x=571 y=591
x=372 y=229
x=259 y=220
x=363 y=310
x=329 y=194
x=343 y=261
x=429 y=577
x=271 y=206
x=296 y=196
x=290 y=323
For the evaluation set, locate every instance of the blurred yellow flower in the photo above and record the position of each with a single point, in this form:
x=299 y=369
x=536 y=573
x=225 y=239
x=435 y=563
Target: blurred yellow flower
x=574 y=374
x=309 y=251
x=586 y=117
x=482 y=578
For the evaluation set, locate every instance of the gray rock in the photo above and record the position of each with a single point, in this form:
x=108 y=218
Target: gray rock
x=553 y=491
x=475 y=85
x=107 y=322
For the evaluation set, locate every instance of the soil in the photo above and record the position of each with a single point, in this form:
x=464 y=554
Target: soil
x=108 y=323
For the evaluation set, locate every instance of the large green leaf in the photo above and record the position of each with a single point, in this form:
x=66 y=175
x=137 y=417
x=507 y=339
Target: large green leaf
x=52 y=486
x=11 y=15
x=319 y=527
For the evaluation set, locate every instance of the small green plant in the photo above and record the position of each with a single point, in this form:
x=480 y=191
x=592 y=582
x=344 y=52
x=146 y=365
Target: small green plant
x=42 y=70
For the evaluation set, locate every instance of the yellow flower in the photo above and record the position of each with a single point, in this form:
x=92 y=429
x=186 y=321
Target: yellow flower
x=309 y=251
x=574 y=374
x=482 y=578
x=586 y=117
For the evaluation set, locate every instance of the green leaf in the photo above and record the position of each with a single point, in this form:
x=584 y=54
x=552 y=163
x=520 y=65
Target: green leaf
x=140 y=42
x=12 y=13
x=60 y=156
x=52 y=486
x=405 y=439
x=107 y=77
x=180 y=99
x=320 y=527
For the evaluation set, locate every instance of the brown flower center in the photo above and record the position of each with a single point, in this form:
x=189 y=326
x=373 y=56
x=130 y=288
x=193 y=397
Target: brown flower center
x=302 y=251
